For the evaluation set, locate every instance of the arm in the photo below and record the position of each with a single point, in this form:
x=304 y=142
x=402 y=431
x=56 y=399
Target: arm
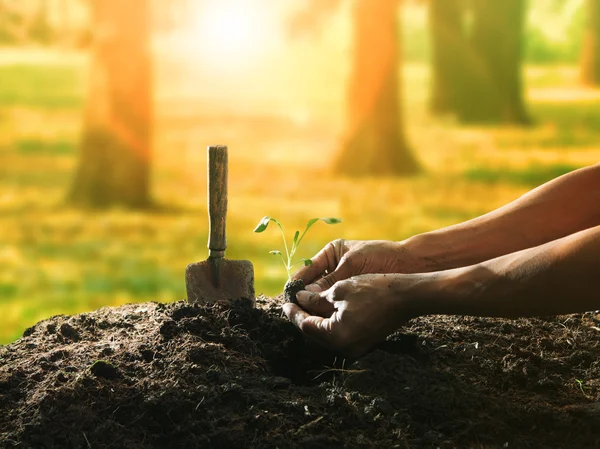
x=558 y=277
x=563 y=206
x=560 y=207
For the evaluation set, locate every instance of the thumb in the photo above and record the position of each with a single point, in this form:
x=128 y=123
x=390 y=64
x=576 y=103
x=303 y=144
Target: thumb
x=315 y=303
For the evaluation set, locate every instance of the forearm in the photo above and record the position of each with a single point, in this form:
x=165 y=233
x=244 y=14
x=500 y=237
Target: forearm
x=558 y=277
x=566 y=205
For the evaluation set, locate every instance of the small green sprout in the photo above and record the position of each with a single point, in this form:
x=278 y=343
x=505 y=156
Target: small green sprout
x=289 y=252
x=580 y=383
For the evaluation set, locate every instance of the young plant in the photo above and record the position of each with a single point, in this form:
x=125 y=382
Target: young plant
x=289 y=252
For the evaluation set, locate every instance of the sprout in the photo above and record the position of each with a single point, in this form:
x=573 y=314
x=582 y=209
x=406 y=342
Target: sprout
x=289 y=252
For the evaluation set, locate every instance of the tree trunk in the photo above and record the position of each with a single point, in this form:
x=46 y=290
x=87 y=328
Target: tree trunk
x=114 y=159
x=494 y=91
x=374 y=140
x=65 y=22
x=40 y=30
x=590 y=63
x=476 y=72
x=447 y=34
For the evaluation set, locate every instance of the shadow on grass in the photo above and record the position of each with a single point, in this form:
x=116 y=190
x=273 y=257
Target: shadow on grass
x=37 y=146
x=561 y=125
x=531 y=176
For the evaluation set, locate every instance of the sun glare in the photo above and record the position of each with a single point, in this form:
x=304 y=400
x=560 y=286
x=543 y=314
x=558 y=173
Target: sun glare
x=231 y=32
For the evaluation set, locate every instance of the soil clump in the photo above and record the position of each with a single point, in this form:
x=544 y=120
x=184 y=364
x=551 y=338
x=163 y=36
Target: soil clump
x=291 y=288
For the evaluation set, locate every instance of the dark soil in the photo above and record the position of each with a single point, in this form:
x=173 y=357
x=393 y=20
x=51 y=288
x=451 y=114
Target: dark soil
x=291 y=288
x=184 y=376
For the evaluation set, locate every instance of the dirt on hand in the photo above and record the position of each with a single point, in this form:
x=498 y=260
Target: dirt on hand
x=181 y=375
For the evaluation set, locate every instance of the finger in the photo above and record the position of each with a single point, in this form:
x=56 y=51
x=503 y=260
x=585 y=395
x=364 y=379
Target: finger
x=315 y=303
x=343 y=271
x=313 y=288
x=294 y=313
x=324 y=261
x=319 y=329
x=315 y=327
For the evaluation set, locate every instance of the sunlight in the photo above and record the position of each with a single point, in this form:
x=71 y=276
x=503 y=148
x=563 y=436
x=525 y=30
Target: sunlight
x=231 y=32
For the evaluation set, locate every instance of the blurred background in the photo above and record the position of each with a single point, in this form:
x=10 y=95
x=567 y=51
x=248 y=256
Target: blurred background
x=397 y=116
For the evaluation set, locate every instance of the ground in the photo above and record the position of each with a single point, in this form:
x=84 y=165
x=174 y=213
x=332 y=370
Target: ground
x=153 y=375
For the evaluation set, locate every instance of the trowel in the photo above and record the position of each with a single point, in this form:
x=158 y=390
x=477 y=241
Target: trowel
x=217 y=278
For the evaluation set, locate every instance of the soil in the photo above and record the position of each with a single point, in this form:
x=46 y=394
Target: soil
x=186 y=376
x=291 y=288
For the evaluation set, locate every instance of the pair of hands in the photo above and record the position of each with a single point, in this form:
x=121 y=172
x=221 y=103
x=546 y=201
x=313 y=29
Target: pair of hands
x=352 y=299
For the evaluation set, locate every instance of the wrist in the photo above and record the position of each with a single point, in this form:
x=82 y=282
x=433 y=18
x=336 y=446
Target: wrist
x=423 y=253
x=449 y=292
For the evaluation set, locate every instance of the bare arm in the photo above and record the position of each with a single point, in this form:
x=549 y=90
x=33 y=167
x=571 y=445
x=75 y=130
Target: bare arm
x=560 y=207
x=559 y=277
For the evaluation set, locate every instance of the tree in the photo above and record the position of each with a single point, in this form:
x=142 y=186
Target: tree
x=446 y=31
x=590 y=62
x=114 y=162
x=483 y=82
x=40 y=29
x=497 y=41
x=374 y=140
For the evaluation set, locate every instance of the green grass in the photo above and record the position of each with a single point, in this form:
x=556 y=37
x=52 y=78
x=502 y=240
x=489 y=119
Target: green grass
x=38 y=146
x=531 y=176
x=57 y=260
x=45 y=87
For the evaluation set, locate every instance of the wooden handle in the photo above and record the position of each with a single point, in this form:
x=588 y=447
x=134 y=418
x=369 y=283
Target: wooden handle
x=217 y=199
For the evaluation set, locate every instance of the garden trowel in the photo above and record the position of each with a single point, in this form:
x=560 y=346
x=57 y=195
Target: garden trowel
x=218 y=279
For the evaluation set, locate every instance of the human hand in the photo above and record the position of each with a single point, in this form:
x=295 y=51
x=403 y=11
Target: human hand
x=353 y=315
x=342 y=259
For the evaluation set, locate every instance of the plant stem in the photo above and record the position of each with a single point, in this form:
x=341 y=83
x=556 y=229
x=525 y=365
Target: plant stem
x=288 y=267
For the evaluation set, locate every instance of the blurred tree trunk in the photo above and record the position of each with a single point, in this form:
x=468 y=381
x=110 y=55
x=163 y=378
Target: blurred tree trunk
x=65 y=22
x=374 y=140
x=494 y=92
x=114 y=159
x=477 y=71
x=448 y=39
x=590 y=63
x=40 y=30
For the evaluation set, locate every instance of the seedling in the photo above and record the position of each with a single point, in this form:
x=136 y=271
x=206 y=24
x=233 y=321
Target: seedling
x=290 y=252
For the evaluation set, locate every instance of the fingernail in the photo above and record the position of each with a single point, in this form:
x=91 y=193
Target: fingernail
x=303 y=296
x=313 y=288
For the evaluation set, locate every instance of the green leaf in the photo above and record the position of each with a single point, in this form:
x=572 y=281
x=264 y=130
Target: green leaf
x=307 y=262
x=262 y=224
x=311 y=222
x=331 y=220
x=295 y=238
x=328 y=220
x=275 y=252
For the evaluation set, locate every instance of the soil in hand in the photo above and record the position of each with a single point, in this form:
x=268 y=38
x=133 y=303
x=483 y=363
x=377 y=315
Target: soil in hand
x=187 y=376
x=291 y=288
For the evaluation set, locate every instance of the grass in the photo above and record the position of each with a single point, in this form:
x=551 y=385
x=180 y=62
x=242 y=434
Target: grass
x=58 y=260
x=530 y=176
x=46 y=87
x=31 y=146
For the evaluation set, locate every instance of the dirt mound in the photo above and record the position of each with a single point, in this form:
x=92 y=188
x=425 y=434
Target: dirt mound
x=183 y=376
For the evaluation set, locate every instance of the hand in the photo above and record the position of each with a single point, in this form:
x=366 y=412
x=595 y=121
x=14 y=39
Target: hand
x=357 y=313
x=342 y=259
